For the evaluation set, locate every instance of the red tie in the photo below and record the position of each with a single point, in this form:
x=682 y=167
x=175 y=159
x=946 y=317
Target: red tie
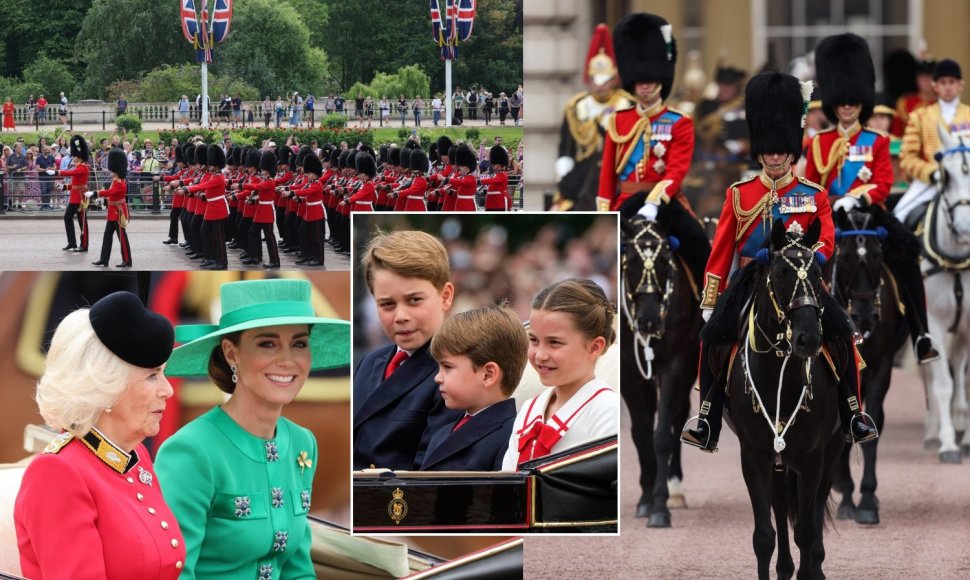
x=461 y=422
x=399 y=357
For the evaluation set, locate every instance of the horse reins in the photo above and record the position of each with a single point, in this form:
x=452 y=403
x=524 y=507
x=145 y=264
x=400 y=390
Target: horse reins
x=860 y=233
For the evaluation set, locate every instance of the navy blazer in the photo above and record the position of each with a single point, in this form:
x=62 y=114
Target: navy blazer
x=394 y=419
x=479 y=445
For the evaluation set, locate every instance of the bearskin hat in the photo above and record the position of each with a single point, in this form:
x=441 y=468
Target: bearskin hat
x=452 y=151
x=383 y=152
x=445 y=144
x=845 y=74
x=419 y=161
x=188 y=153
x=118 y=163
x=498 y=155
x=465 y=157
x=773 y=106
x=267 y=162
x=326 y=152
x=366 y=165
x=899 y=72
x=216 y=157
x=367 y=149
x=201 y=154
x=405 y=158
x=285 y=156
x=335 y=156
x=433 y=153
x=352 y=156
x=411 y=144
x=179 y=156
x=301 y=155
x=253 y=158
x=312 y=164
x=645 y=51
x=79 y=148
x=394 y=156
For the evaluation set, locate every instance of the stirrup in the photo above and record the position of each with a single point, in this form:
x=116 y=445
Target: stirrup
x=687 y=437
x=933 y=353
x=867 y=420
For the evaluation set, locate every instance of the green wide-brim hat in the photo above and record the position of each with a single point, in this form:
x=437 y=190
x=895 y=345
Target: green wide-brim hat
x=257 y=304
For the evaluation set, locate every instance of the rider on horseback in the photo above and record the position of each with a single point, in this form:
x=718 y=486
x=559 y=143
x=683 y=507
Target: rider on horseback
x=774 y=107
x=853 y=163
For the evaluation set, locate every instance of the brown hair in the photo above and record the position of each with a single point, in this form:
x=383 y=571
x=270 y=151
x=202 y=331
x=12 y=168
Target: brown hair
x=411 y=254
x=490 y=334
x=592 y=312
x=219 y=370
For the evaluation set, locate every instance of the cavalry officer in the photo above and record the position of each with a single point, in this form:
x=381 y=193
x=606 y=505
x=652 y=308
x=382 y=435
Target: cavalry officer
x=497 y=196
x=77 y=203
x=649 y=147
x=118 y=214
x=852 y=162
x=463 y=183
x=774 y=108
x=213 y=229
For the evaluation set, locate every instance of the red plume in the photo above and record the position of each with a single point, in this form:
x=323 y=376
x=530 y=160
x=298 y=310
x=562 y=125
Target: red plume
x=602 y=40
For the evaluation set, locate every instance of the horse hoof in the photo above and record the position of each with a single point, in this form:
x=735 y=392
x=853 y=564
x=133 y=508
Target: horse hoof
x=867 y=517
x=931 y=444
x=950 y=457
x=846 y=512
x=643 y=510
x=677 y=502
x=659 y=520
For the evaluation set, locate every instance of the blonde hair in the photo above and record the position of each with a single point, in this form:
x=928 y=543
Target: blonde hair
x=411 y=254
x=490 y=334
x=591 y=311
x=81 y=378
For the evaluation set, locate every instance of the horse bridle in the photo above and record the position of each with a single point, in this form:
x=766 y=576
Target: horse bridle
x=648 y=250
x=951 y=207
x=860 y=232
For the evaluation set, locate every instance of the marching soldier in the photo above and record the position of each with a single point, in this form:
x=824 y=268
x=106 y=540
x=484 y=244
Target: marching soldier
x=463 y=183
x=118 y=214
x=585 y=120
x=77 y=204
x=852 y=162
x=264 y=201
x=213 y=229
x=497 y=197
x=774 y=105
x=177 y=200
x=312 y=230
x=649 y=147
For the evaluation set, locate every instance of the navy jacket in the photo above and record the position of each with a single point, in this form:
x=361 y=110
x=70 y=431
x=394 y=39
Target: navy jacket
x=479 y=445
x=394 y=419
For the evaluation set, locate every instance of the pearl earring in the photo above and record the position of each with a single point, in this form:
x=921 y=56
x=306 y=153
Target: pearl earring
x=235 y=377
x=107 y=410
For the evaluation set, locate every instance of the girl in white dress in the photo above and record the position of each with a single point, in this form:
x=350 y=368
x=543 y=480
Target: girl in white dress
x=570 y=327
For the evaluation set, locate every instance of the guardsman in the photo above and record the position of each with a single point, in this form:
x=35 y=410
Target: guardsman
x=366 y=196
x=446 y=199
x=413 y=194
x=774 y=107
x=584 y=124
x=77 y=203
x=177 y=200
x=463 y=183
x=497 y=196
x=852 y=162
x=921 y=142
x=263 y=200
x=284 y=175
x=213 y=229
x=649 y=147
x=314 y=221
x=118 y=215
x=198 y=205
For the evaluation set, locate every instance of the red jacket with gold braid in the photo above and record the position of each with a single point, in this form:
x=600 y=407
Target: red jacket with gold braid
x=116 y=195
x=858 y=165
x=750 y=208
x=645 y=151
x=79 y=180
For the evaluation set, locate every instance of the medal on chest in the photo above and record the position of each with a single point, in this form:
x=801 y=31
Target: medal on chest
x=960 y=129
x=796 y=204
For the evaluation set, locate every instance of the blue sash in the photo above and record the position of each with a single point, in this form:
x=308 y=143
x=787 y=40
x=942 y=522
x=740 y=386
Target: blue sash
x=850 y=169
x=759 y=233
x=660 y=130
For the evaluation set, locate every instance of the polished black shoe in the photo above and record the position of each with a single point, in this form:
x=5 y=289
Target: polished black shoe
x=232 y=245
x=273 y=266
x=217 y=267
x=250 y=261
x=69 y=247
x=170 y=241
x=699 y=437
x=925 y=350
x=301 y=261
x=100 y=263
x=206 y=263
x=862 y=428
x=79 y=250
x=183 y=244
x=123 y=265
x=314 y=263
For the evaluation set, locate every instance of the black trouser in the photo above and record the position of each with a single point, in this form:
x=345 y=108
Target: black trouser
x=901 y=252
x=82 y=221
x=289 y=232
x=245 y=226
x=231 y=224
x=473 y=111
x=110 y=229
x=185 y=218
x=488 y=115
x=214 y=233
x=195 y=226
x=280 y=221
x=173 y=223
x=315 y=243
x=256 y=231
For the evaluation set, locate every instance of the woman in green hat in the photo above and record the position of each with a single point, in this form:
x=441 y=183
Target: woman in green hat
x=239 y=477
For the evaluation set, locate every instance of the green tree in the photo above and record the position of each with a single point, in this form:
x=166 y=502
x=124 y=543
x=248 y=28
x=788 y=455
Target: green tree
x=408 y=81
x=52 y=75
x=168 y=83
x=49 y=27
x=315 y=15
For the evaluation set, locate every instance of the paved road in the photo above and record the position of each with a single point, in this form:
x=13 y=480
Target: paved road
x=925 y=512
x=34 y=243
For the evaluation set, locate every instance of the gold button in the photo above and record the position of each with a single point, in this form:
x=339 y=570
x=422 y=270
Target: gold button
x=164 y=525
x=151 y=511
x=175 y=543
x=178 y=565
x=140 y=497
x=129 y=480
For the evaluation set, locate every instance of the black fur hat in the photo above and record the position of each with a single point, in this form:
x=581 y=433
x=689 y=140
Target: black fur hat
x=452 y=151
x=411 y=144
x=133 y=333
x=301 y=155
x=326 y=152
x=118 y=163
x=433 y=153
x=366 y=165
x=384 y=150
x=644 y=53
x=899 y=71
x=267 y=162
x=79 y=148
x=216 y=157
x=188 y=153
x=394 y=156
x=845 y=75
x=179 y=156
x=774 y=107
x=201 y=154
x=498 y=155
x=335 y=156
x=419 y=161
x=405 y=160
x=465 y=157
x=253 y=158
x=352 y=159
x=312 y=164
x=444 y=147
x=285 y=156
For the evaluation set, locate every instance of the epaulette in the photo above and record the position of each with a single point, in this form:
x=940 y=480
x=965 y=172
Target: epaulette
x=811 y=184
x=876 y=131
x=679 y=112
x=744 y=180
x=829 y=130
x=58 y=443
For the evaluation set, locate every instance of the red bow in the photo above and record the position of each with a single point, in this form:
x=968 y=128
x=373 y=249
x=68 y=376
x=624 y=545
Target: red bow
x=537 y=441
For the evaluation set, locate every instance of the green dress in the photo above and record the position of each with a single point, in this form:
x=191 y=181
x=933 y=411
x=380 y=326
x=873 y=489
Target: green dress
x=241 y=501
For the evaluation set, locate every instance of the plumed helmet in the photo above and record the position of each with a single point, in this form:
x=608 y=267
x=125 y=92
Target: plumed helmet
x=773 y=106
x=267 y=162
x=394 y=156
x=202 y=154
x=419 y=161
x=498 y=155
x=366 y=165
x=645 y=51
x=79 y=148
x=444 y=144
x=465 y=157
x=216 y=156
x=312 y=164
x=118 y=162
x=845 y=74
x=600 y=58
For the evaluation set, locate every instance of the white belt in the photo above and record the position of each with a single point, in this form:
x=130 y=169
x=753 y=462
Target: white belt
x=314 y=203
x=267 y=202
x=368 y=203
x=494 y=193
x=466 y=197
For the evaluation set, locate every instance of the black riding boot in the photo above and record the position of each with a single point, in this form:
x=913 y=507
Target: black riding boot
x=859 y=426
x=708 y=429
x=910 y=281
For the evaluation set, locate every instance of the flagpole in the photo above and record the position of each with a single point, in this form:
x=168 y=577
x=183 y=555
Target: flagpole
x=448 y=93
x=204 y=105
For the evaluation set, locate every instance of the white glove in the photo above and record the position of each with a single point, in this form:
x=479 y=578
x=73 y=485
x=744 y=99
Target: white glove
x=563 y=166
x=50 y=172
x=649 y=211
x=846 y=203
x=706 y=313
x=935 y=177
x=88 y=194
x=733 y=145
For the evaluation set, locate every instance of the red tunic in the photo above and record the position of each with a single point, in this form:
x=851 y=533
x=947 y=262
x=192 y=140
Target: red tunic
x=216 y=206
x=281 y=180
x=442 y=177
x=117 y=192
x=262 y=210
x=388 y=178
x=365 y=198
x=413 y=196
x=641 y=152
x=79 y=181
x=497 y=196
x=312 y=196
x=177 y=200
x=463 y=199
x=860 y=167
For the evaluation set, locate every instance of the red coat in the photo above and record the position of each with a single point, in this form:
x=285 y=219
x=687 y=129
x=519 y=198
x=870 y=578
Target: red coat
x=863 y=169
x=263 y=212
x=312 y=195
x=216 y=206
x=292 y=205
x=665 y=157
x=804 y=202
x=79 y=181
x=280 y=180
x=77 y=517
x=442 y=178
x=463 y=198
x=118 y=191
x=364 y=199
x=243 y=195
x=177 y=200
x=413 y=197
x=497 y=196
x=388 y=178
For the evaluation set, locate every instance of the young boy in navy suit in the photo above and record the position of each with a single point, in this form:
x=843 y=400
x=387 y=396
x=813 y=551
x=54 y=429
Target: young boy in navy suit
x=481 y=355
x=397 y=405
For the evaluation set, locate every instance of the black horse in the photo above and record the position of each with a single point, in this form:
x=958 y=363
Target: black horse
x=659 y=337
x=778 y=376
x=861 y=283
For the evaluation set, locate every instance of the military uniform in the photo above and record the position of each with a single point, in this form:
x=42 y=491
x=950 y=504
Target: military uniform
x=242 y=501
x=116 y=196
x=76 y=204
x=88 y=510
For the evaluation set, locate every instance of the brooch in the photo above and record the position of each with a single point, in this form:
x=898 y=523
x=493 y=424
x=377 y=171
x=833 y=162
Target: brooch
x=272 y=452
x=144 y=475
x=242 y=506
x=304 y=461
x=865 y=174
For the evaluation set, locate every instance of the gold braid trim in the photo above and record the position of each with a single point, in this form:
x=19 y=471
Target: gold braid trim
x=641 y=128
x=836 y=155
x=585 y=132
x=747 y=217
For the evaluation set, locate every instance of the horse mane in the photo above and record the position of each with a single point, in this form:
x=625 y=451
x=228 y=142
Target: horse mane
x=722 y=328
